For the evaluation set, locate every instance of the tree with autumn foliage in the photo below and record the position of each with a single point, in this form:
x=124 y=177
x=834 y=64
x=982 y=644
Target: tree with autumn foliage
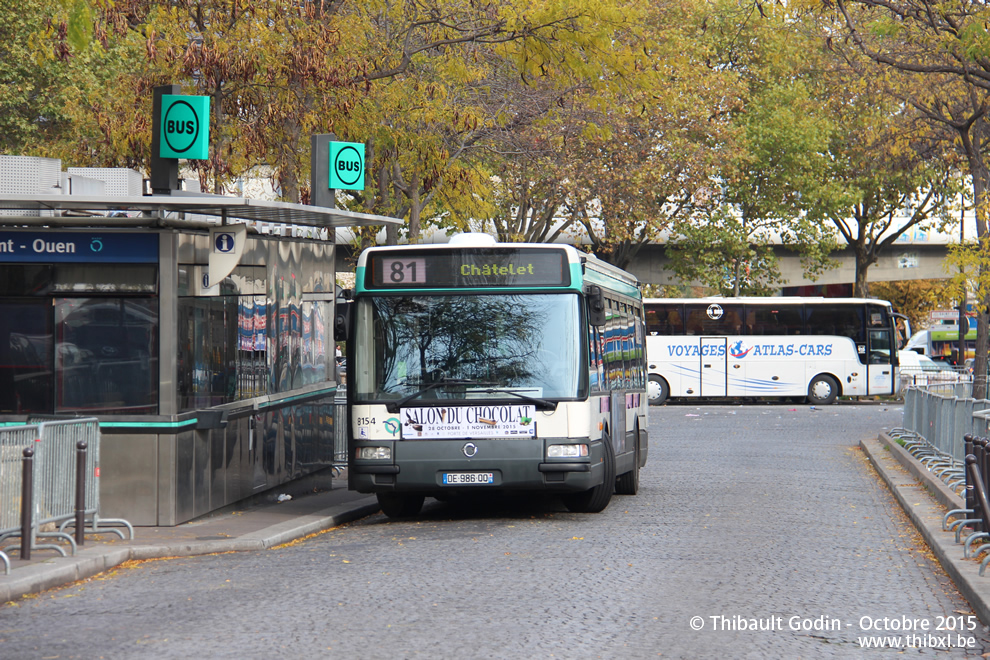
x=613 y=164
x=888 y=172
x=441 y=151
x=778 y=151
x=940 y=48
x=916 y=299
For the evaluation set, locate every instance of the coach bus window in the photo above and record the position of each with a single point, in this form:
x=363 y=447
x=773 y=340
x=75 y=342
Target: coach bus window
x=880 y=346
x=665 y=319
x=774 y=320
x=842 y=320
x=703 y=320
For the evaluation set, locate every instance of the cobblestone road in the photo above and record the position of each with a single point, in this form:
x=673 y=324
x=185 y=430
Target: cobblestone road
x=749 y=517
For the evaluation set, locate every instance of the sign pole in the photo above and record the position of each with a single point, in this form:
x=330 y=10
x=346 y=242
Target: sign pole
x=164 y=171
x=319 y=171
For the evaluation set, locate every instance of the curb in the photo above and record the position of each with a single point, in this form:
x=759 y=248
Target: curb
x=918 y=492
x=91 y=561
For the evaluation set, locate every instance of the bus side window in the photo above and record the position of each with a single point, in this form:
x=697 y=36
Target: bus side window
x=664 y=320
x=594 y=359
x=839 y=320
x=775 y=320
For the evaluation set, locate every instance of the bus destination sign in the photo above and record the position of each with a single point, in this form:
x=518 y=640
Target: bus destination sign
x=467 y=267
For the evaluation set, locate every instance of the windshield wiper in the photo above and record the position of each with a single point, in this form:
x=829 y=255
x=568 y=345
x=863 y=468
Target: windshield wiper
x=393 y=406
x=542 y=404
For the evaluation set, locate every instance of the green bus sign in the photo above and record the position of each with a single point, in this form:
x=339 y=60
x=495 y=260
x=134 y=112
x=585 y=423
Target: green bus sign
x=346 y=166
x=185 y=127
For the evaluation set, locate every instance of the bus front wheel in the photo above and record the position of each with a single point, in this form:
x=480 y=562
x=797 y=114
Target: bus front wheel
x=822 y=391
x=596 y=499
x=657 y=390
x=400 y=505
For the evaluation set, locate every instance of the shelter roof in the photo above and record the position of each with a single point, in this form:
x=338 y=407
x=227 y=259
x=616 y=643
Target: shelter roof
x=180 y=202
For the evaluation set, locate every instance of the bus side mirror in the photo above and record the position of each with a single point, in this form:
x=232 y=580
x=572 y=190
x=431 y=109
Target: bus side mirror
x=596 y=306
x=341 y=321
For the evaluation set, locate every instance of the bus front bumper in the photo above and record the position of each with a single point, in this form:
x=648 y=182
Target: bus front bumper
x=497 y=464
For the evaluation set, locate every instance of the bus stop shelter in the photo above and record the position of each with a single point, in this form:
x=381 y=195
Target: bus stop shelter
x=206 y=392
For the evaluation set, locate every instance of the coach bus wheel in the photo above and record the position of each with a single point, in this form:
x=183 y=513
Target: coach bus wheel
x=628 y=483
x=822 y=390
x=400 y=505
x=657 y=390
x=596 y=499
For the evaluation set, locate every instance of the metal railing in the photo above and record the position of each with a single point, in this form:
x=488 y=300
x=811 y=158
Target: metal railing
x=13 y=442
x=65 y=435
x=976 y=514
x=948 y=381
x=941 y=420
x=49 y=482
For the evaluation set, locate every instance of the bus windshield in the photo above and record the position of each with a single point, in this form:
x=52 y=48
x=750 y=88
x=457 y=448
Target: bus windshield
x=420 y=348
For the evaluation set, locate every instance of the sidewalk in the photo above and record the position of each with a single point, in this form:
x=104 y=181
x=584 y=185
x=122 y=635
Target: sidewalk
x=926 y=500
x=253 y=525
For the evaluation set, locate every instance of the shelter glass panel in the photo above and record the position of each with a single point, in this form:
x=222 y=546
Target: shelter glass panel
x=106 y=355
x=25 y=356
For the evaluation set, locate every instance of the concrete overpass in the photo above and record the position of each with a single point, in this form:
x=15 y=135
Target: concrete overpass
x=904 y=260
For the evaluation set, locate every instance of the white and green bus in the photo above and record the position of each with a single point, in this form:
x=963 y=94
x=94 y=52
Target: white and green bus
x=813 y=349
x=483 y=366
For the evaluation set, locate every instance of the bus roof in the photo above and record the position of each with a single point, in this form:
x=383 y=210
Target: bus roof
x=572 y=253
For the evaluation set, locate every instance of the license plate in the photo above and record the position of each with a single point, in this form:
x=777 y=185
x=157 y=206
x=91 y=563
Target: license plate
x=468 y=478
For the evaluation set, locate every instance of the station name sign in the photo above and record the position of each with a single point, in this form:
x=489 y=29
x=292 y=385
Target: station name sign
x=77 y=247
x=467 y=267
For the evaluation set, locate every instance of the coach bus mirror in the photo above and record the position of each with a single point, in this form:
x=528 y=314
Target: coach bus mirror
x=341 y=321
x=596 y=306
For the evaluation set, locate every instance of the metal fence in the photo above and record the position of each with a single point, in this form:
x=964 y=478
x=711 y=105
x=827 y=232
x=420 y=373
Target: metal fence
x=60 y=479
x=62 y=437
x=942 y=417
x=13 y=441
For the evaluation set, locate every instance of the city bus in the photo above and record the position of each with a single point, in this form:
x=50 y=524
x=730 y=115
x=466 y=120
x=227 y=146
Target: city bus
x=478 y=366
x=941 y=343
x=808 y=349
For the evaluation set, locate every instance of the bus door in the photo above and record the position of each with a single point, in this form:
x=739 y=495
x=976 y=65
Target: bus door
x=713 y=366
x=879 y=370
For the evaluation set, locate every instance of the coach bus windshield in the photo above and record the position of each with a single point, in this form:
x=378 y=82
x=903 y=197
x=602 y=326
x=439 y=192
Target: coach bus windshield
x=468 y=346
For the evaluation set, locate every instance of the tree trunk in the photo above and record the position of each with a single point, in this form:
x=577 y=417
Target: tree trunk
x=978 y=170
x=415 y=214
x=861 y=288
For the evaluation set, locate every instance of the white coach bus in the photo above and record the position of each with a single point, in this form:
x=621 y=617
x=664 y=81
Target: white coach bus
x=813 y=349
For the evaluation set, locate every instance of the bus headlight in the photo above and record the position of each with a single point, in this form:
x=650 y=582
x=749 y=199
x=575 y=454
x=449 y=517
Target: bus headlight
x=374 y=453
x=567 y=451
